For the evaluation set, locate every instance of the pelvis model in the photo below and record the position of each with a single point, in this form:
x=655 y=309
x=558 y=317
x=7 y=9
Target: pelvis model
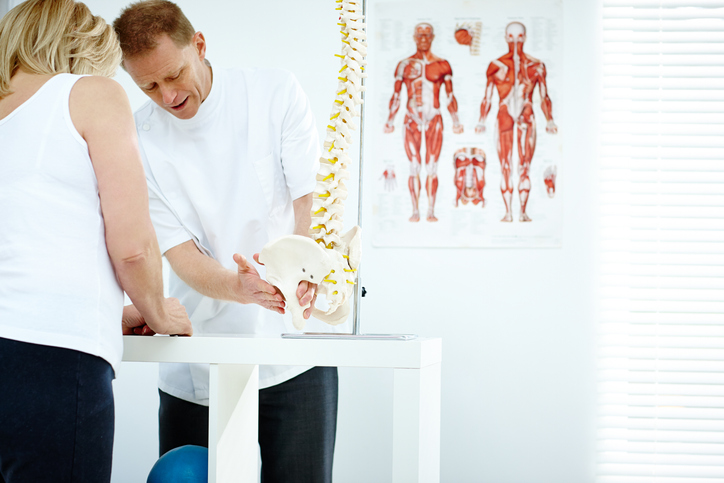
x=328 y=258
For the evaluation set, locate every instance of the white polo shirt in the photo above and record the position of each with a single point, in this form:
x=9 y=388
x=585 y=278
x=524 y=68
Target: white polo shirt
x=226 y=179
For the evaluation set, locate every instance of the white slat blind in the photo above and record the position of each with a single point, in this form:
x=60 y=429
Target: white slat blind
x=661 y=388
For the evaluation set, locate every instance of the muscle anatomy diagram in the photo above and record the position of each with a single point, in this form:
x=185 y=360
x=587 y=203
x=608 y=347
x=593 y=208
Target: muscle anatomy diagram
x=423 y=74
x=549 y=178
x=469 y=176
x=390 y=178
x=469 y=34
x=515 y=76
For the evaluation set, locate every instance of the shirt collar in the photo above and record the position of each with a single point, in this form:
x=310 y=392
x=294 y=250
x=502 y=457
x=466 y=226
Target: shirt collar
x=208 y=108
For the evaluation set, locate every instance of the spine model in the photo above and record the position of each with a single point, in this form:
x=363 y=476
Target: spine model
x=329 y=258
x=331 y=192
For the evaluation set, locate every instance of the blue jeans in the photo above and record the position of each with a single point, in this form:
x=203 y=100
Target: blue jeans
x=56 y=415
x=297 y=427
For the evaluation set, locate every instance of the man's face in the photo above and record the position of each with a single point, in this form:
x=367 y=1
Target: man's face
x=423 y=37
x=176 y=78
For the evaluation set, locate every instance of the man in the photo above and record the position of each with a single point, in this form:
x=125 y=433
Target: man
x=423 y=73
x=231 y=161
x=515 y=75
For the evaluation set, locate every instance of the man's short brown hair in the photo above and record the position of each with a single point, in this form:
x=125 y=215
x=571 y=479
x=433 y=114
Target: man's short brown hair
x=141 y=24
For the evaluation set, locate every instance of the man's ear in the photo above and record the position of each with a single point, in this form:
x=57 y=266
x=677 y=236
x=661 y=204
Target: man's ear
x=199 y=43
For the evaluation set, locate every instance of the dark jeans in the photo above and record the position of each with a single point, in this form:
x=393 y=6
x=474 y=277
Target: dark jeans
x=56 y=415
x=297 y=427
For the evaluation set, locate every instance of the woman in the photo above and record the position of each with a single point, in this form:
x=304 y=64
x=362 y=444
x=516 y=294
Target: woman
x=75 y=232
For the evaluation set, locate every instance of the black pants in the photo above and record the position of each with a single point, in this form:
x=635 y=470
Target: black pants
x=297 y=427
x=56 y=415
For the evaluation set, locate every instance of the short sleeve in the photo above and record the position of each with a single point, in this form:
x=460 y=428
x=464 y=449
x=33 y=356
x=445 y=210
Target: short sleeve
x=170 y=232
x=300 y=142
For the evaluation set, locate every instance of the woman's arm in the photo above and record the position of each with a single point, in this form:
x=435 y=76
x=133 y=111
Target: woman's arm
x=102 y=115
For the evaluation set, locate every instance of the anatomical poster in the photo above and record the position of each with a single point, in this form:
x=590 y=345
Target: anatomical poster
x=462 y=140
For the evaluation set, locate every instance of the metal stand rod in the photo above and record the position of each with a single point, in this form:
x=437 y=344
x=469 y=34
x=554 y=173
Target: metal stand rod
x=358 y=286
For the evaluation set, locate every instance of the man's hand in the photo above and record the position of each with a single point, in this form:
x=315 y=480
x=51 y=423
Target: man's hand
x=253 y=290
x=458 y=128
x=306 y=293
x=480 y=128
x=389 y=127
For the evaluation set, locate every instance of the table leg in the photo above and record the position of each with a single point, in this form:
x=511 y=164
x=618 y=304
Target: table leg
x=233 y=423
x=416 y=425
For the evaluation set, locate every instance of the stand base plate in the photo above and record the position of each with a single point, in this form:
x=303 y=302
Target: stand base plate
x=329 y=335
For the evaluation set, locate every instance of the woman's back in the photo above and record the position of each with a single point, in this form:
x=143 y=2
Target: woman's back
x=52 y=237
x=73 y=207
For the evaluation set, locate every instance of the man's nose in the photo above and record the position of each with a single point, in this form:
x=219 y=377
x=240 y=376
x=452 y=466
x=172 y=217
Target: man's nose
x=169 y=95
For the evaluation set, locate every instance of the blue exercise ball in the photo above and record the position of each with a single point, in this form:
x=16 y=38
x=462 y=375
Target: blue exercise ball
x=187 y=464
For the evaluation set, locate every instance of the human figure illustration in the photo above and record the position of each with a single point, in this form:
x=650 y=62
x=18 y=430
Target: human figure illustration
x=423 y=73
x=469 y=166
x=515 y=75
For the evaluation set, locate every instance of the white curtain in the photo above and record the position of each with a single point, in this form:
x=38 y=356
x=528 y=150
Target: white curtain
x=662 y=243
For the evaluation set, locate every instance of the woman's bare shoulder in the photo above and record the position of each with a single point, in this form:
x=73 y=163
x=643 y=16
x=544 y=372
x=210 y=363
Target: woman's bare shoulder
x=94 y=98
x=97 y=89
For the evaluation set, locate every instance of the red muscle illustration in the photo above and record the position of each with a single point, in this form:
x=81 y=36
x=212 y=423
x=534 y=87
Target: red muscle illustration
x=549 y=178
x=515 y=76
x=463 y=36
x=390 y=179
x=423 y=74
x=469 y=176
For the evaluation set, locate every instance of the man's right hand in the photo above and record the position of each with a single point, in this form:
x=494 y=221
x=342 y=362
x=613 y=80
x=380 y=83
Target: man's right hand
x=480 y=128
x=389 y=127
x=253 y=290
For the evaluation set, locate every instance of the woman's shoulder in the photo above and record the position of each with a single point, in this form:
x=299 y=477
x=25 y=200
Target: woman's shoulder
x=93 y=88
x=94 y=99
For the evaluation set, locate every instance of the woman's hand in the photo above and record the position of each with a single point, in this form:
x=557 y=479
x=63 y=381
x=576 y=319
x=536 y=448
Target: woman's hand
x=177 y=321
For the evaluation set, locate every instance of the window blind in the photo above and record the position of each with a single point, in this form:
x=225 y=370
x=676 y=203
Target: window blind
x=661 y=317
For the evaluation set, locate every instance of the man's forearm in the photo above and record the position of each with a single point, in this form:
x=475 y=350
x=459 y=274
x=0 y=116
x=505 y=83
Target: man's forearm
x=303 y=215
x=208 y=277
x=203 y=273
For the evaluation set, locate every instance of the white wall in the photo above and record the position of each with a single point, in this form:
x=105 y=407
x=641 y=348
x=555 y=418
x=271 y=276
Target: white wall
x=6 y=5
x=517 y=324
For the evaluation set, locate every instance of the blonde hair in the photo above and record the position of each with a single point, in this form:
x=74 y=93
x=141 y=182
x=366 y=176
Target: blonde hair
x=48 y=37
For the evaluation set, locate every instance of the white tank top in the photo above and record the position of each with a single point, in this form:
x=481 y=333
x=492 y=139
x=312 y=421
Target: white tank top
x=57 y=284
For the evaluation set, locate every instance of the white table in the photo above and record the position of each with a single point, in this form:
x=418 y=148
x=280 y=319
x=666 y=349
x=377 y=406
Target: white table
x=234 y=386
